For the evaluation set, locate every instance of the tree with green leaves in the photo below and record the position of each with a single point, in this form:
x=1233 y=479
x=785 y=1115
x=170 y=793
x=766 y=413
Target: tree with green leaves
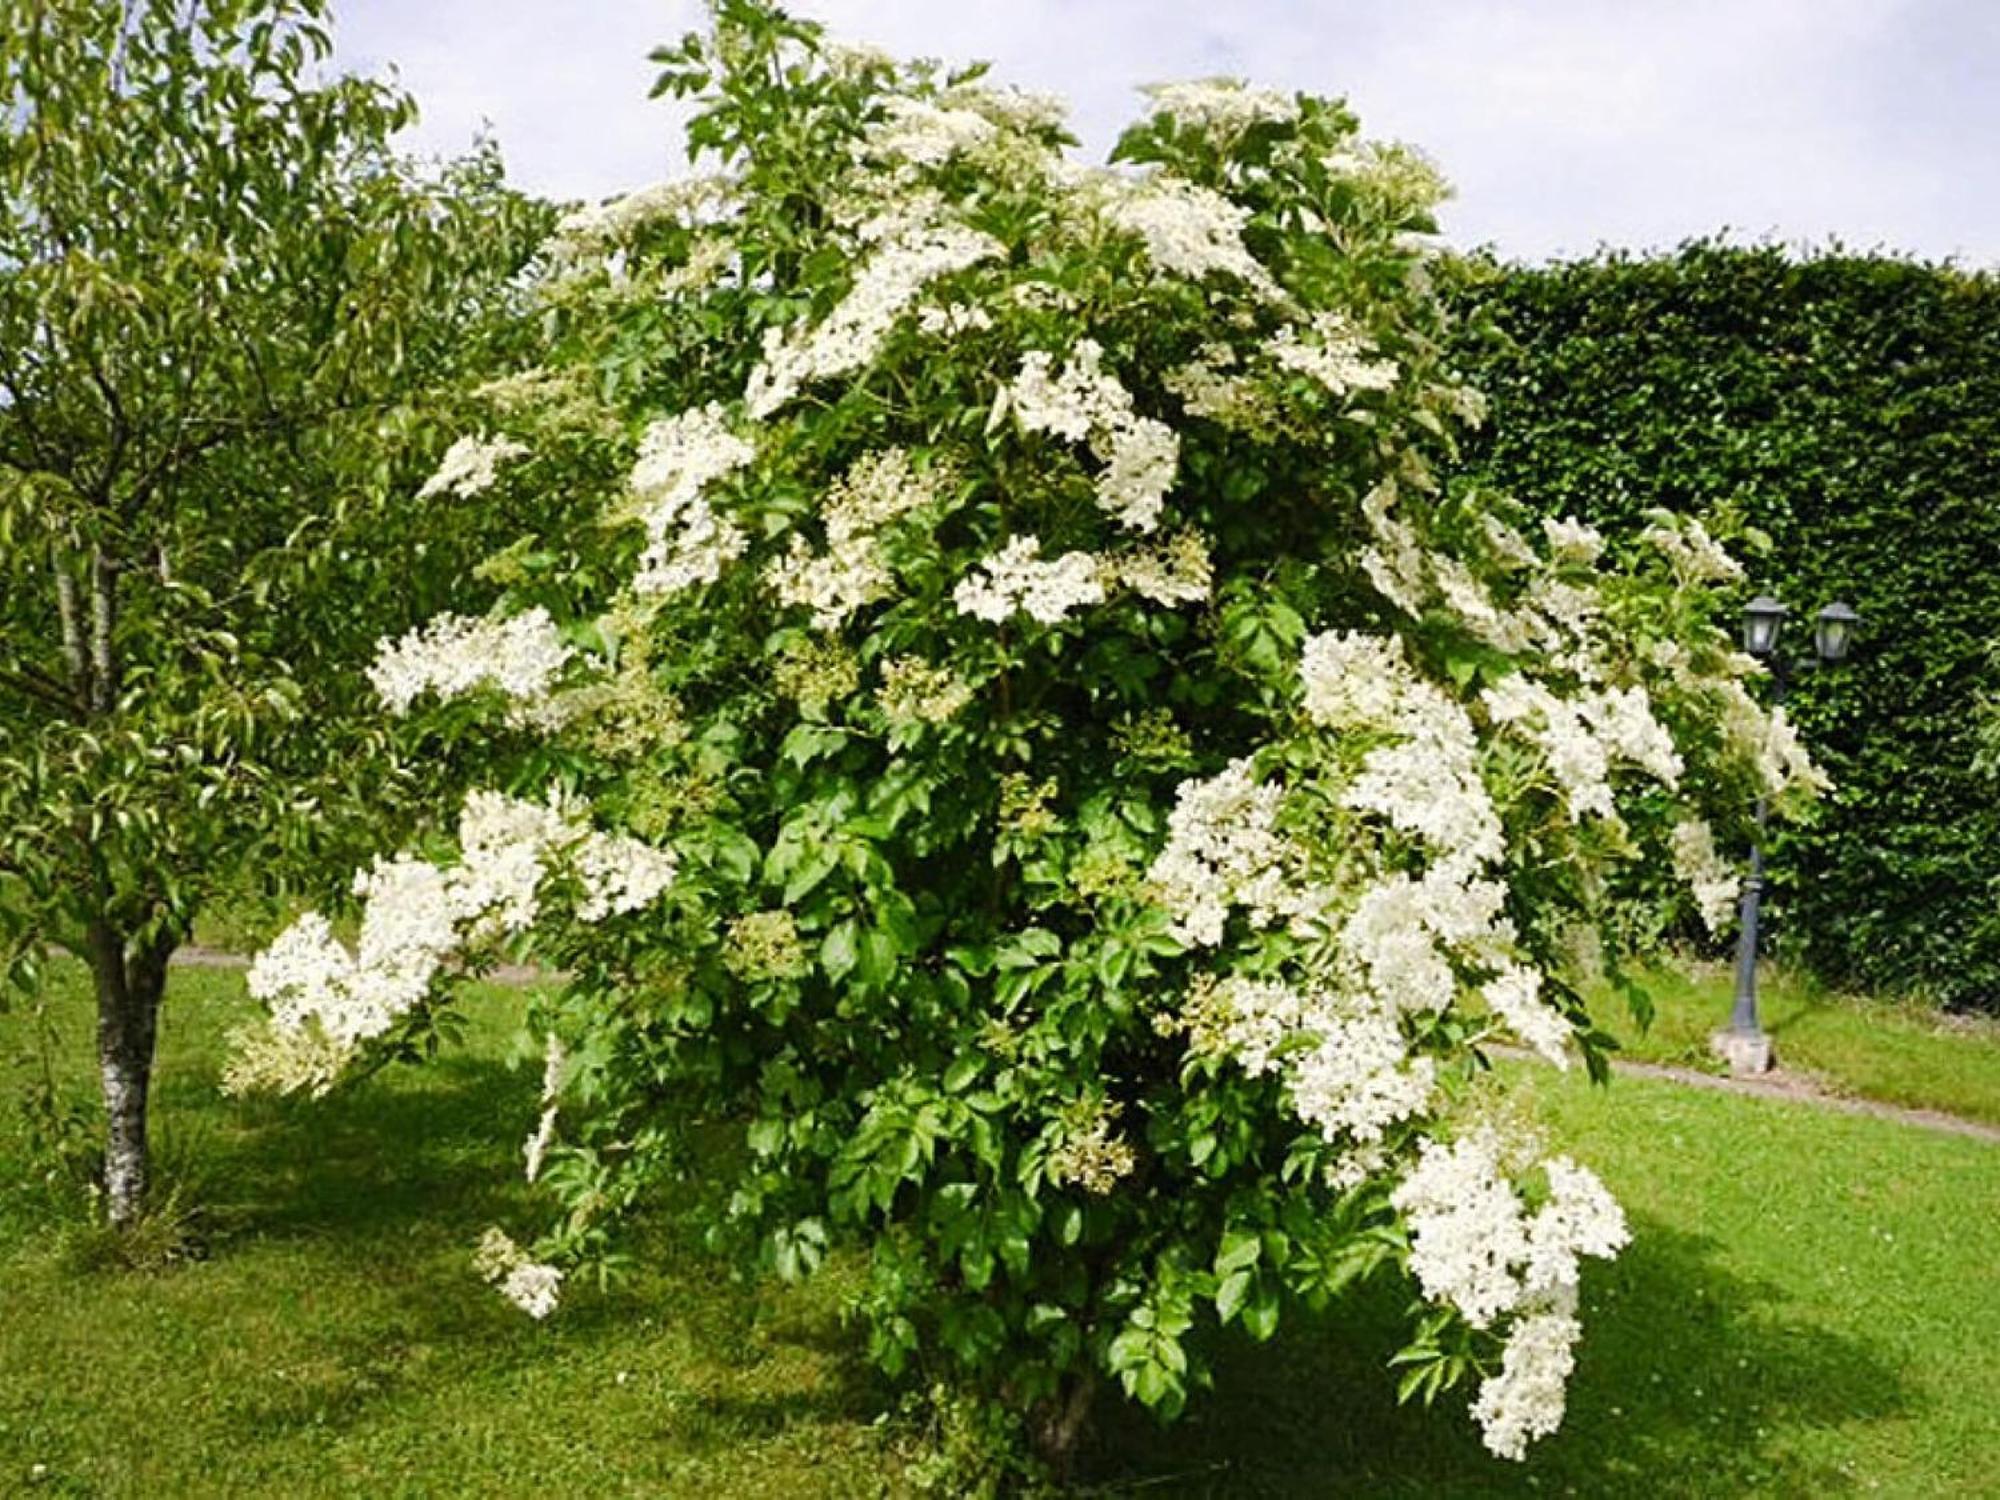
x=222 y=295
x=1044 y=780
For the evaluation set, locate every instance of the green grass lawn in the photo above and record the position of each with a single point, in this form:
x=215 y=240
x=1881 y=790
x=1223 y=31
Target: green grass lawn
x=1810 y=1306
x=1898 y=1054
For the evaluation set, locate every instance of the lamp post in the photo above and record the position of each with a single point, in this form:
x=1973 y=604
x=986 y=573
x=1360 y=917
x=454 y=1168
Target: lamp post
x=1744 y=1045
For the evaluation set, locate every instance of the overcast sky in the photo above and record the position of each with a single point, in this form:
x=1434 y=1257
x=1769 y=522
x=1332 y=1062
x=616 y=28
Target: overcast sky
x=1565 y=124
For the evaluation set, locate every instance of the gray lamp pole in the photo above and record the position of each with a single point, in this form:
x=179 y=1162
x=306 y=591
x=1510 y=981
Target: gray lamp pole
x=1744 y=1045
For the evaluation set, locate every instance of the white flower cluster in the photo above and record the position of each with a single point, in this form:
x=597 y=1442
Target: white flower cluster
x=1221 y=108
x=1426 y=780
x=1178 y=570
x=1016 y=579
x=1475 y=1248
x=1582 y=736
x=417 y=916
x=1009 y=107
x=470 y=466
x=909 y=259
x=950 y=319
x=1713 y=881
x=687 y=541
x=1696 y=556
x=1356 y=1075
x=877 y=490
x=1189 y=230
x=1337 y=355
x=602 y=227
x=1212 y=385
x=1086 y=403
x=924 y=134
x=452 y=655
x=1573 y=541
x=1402 y=177
x=1223 y=850
x=915 y=692
x=530 y=1285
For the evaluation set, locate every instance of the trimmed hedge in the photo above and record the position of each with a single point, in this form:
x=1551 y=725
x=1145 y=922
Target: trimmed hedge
x=1849 y=407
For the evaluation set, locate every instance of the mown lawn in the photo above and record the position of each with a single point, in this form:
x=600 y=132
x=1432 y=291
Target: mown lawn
x=1899 y=1054
x=1811 y=1307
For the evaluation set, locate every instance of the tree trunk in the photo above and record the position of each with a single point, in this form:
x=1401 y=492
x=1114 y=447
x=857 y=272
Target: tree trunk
x=1058 y=1424
x=130 y=981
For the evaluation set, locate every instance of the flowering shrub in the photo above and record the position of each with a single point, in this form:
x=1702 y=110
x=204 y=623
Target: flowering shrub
x=1038 y=751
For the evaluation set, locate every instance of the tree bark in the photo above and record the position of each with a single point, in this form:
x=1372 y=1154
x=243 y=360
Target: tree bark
x=1058 y=1424
x=130 y=978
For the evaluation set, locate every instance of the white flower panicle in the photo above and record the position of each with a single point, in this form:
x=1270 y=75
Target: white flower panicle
x=878 y=490
x=1176 y=571
x=1528 y=1396
x=1426 y=781
x=1220 y=108
x=909 y=259
x=1086 y=403
x=924 y=134
x=1337 y=355
x=470 y=466
x=519 y=656
x=1354 y=680
x=687 y=541
x=1347 y=1067
x=600 y=228
x=417 y=917
x=1017 y=580
x=915 y=692
x=1695 y=555
x=1713 y=881
x=1582 y=737
x=1189 y=231
x=1475 y=1247
x=1515 y=996
x=529 y=1284
x=1570 y=540
x=1223 y=850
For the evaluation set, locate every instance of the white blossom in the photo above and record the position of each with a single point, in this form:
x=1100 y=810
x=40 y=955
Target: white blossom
x=1526 y=1399
x=417 y=917
x=848 y=338
x=688 y=542
x=1174 y=572
x=1336 y=355
x=1570 y=540
x=519 y=656
x=1223 y=850
x=1086 y=403
x=1515 y=996
x=1016 y=580
x=1189 y=230
x=470 y=466
x=1695 y=555
x=1713 y=881
x=530 y=1285
x=1222 y=108
x=878 y=490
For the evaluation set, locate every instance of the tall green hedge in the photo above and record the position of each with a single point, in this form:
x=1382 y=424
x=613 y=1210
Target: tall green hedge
x=1848 y=406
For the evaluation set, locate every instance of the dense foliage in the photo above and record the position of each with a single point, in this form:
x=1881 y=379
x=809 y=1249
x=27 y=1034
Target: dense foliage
x=220 y=295
x=1849 y=408
x=1036 y=757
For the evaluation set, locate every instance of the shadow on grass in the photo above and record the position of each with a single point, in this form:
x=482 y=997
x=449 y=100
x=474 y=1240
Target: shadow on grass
x=1684 y=1374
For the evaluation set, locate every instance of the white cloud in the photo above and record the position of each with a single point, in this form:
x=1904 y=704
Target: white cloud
x=1565 y=123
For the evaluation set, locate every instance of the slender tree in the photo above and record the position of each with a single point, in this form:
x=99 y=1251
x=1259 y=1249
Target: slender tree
x=220 y=293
